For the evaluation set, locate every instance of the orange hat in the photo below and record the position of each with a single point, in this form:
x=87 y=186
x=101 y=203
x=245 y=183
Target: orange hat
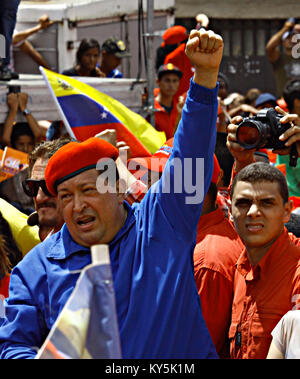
x=174 y=34
x=159 y=159
x=74 y=158
x=281 y=102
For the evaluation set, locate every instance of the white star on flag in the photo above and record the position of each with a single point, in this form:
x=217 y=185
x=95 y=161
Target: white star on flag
x=103 y=115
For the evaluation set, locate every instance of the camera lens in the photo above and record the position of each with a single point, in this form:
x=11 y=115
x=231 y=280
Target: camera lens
x=248 y=135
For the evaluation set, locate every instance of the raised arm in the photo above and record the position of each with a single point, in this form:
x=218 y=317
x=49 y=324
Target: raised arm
x=34 y=126
x=274 y=42
x=205 y=50
x=187 y=175
x=44 y=23
x=13 y=105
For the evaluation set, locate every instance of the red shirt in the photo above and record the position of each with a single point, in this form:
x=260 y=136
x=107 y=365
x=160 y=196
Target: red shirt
x=164 y=121
x=215 y=255
x=180 y=60
x=262 y=295
x=4 y=284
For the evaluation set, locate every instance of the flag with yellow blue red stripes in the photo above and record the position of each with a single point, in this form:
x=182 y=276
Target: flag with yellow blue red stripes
x=86 y=112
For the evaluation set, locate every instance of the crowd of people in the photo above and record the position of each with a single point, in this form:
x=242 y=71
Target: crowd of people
x=210 y=270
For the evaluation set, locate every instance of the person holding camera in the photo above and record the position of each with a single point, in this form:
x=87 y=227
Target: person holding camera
x=21 y=135
x=291 y=95
x=286 y=65
x=267 y=277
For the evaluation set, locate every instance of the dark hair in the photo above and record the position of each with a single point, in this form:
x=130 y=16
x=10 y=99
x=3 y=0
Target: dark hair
x=251 y=95
x=224 y=157
x=291 y=92
x=46 y=149
x=293 y=226
x=10 y=254
x=161 y=54
x=85 y=45
x=224 y=78
x=213 y=192
x=20 y=129
x=262 y=172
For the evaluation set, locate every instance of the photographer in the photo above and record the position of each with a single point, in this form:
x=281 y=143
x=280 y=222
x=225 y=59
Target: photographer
x=245 y=157
x=291 y=96
x=285 y=66
x=21 y=135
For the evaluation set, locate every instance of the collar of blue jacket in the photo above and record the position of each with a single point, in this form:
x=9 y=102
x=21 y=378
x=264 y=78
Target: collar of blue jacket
x=58 y=251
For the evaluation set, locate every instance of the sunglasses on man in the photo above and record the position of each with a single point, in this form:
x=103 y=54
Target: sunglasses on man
x=31 y=187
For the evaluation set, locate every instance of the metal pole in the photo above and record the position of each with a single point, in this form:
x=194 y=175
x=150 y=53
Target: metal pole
x=150 y=59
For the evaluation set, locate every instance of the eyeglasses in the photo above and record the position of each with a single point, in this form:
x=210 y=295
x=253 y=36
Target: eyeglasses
x=31 y=187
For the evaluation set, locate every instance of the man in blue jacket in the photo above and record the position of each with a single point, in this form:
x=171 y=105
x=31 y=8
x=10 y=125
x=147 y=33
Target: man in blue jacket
x=151 y=244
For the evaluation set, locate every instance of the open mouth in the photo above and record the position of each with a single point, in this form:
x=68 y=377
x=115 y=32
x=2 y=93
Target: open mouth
x=85 y=222
x=255 y=227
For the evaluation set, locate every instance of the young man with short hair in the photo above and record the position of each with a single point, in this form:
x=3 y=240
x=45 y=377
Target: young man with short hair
x=112 y=52
x=267 y=277
x=167 y=114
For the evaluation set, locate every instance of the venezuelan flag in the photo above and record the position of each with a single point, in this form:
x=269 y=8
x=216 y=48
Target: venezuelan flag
x=87 y=111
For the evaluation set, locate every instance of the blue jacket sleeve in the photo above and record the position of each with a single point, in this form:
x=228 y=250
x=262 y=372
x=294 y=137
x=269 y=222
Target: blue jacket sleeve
x=187 y=175
x=23 y=328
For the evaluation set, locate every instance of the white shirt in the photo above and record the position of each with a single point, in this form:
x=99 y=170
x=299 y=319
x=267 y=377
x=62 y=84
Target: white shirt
x=286 y=335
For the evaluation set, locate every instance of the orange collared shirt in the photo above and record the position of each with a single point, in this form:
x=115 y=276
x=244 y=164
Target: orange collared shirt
x=216 y=253
x=164 y=121
x=262 y=295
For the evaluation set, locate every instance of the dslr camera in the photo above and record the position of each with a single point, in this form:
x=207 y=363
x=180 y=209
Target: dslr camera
x=263 y=131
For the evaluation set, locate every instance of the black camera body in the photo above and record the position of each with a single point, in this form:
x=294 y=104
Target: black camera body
x=262 y=130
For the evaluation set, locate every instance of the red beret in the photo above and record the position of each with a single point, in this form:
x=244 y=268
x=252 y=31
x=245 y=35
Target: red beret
x=174 y=34
x=74 y=158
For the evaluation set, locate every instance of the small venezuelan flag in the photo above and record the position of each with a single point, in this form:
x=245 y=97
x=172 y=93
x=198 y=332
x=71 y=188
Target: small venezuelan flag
x=87 y=112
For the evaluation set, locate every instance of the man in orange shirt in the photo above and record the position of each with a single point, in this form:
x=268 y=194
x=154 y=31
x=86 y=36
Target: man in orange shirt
x=217 y=250
x=167 y=114
x=267 y=277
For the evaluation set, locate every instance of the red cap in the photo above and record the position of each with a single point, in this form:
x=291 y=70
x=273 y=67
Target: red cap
x=174 y=34
x=281 y=102
x=159 y=159
x=74 y=158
